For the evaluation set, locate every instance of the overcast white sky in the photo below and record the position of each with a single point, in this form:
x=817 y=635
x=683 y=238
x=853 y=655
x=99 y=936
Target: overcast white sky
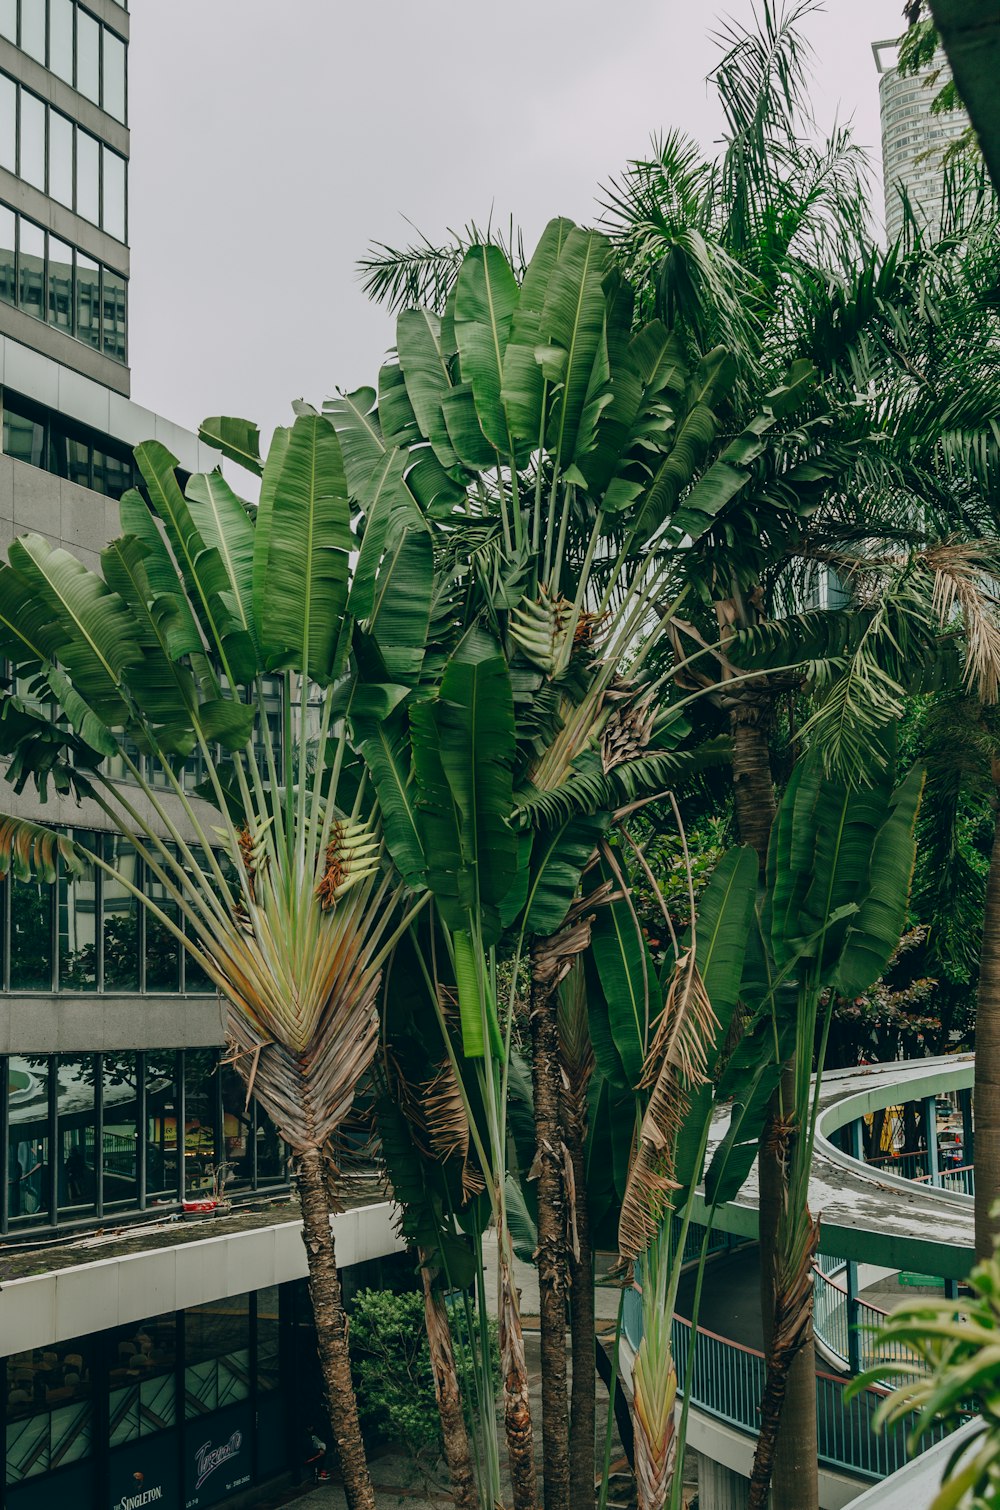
x=273 y=140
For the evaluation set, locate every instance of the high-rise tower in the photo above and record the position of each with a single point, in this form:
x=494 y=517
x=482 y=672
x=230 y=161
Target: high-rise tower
x=914 y=139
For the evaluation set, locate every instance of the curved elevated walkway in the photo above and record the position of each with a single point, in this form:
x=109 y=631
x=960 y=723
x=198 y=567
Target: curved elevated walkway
x=866 y=1214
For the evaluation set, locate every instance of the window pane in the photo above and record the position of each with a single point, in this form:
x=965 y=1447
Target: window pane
x=8 y=124
x=88 y=56
x=28 y=1156
x=143 y=1386
x=78 y=461
x=88 y=191
x=32 y=263
x=23 y=437
x=162 y=948
x=121 y=918
x=61 y=38
x=272 y=1151
x=162 y=1153
x=120 y=1141
x=60 y=285
x=61 y=158
x=30 y=936
x=32 y=140
x=114 y=307
x=88 y=300
x=76 y=1175
x=268 y=1332
x=117 y=475
x=33 y=29
x=78 y=926
x=237 y=1131
x=49 y=1407
x=8 y=20
x=217 y=1353
x=114 y=75
x=200 y=1086
x=8 y=285
x=114 y=195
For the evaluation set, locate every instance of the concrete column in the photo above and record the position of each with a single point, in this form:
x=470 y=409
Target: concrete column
x=930 y=1138
x=720 y=1488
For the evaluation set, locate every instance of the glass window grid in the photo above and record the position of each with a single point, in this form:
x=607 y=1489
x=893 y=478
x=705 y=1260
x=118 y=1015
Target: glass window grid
x=109 y=334
x=188 y=1183
x=108 y=160
x=58 y=899
x=73 y=451
x=107 y=93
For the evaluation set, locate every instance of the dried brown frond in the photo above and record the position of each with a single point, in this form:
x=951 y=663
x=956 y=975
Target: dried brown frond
x=335 y=869
x=552 y=958
x=677 y=1062
x=627 y=732
x=587 y=628
x=248 y=855
x=447 y=1124
x=963 y=574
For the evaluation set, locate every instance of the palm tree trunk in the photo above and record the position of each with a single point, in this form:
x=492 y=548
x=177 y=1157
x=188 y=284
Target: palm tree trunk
x=583 y=1408
x=448 y=1394
x=986 y=1093
x=753 y=788
x=553 y=1276
x=331 y=1330
x=517 y=1404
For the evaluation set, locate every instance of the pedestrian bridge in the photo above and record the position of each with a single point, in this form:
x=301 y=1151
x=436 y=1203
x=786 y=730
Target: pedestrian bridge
x=868 y=1216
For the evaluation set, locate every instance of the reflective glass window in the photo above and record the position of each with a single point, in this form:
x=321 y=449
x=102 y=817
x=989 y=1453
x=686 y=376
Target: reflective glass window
x=217 y=1353
x=60 y=285
x=61 y=158
x=23 y=436
x=113 y=219
x=32 y=140
x=237 y=1131
x=33 y=29
x=88 y=56
x=28 y=1148
x=120 y=917
x=113 y=323
x=8 y=20
x=143 y=1385
x=114 y=75
x=8 y=124
x=120 y=1146
x=32 y=269
x=78 y=926
x=268 y=1334
x=49 y=1408
x=272 y=1151
x=77 y=1142
x=88 y=300
x=78 y=460
x=200 y=1090
x=117 y=475
x=88 y=176
x=162 y=948
x=8 y=284
x=30 y=936
x=162 y=1104
x=61 y=38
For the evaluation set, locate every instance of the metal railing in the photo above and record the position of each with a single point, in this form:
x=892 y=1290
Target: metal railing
x=727 y=1381
x=836 y=1314
x=962 y=1179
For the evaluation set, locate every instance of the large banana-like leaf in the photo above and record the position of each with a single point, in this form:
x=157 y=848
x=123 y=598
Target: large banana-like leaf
x=875 y=930
x=225 y=525
x=90 y=630
x=689 y=443
x=387 y=756
x=388 y=509
x=238 y=439
x=401 y=604
x=301 y=547
x=201 y=566
x=425 y=355
x=466 y=738
x=558 y=858
x=572 y=329
x=167 y=602
x=627 y=977
x=485 y=299
x=464 y=430
x=355 y=418
x=31 y=851
x=395 y=412
x=523 y=386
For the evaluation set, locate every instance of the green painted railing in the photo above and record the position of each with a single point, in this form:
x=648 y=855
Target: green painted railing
x=727 y=1381
x=835 y=1315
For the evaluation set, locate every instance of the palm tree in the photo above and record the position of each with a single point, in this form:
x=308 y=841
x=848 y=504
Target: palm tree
x=276 y=867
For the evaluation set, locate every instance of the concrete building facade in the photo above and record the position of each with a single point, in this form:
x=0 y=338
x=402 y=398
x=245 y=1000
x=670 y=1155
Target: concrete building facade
x=142 y=1360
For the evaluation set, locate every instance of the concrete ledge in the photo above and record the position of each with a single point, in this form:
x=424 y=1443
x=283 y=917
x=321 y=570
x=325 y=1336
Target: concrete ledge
x=94 y=1023
x=67 y=1303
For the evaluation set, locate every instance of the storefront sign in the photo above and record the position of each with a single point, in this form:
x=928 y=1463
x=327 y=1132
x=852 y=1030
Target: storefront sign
x=218 y=1454
x=145 y=1473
